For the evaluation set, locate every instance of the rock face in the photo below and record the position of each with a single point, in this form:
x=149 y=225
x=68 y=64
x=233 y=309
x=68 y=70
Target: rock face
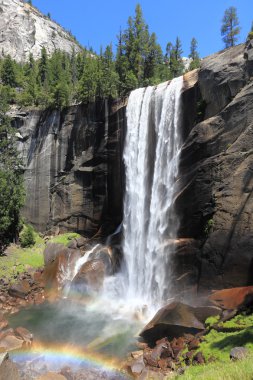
x=24 y=30
x=215 y=192
x=74 y=173
x=73 y=166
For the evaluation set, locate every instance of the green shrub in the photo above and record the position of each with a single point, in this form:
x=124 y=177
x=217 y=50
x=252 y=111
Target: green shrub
x=27 y=237
x=250 y=35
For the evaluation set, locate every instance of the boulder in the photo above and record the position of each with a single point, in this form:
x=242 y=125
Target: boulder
x=10 y=343
x=59 y=267
x=20 y=289
x=234 y=298
x=175 y=320
x=90 y=276
x=24 y=334
x=52 y=251
x=8 y=370
x=239 y=353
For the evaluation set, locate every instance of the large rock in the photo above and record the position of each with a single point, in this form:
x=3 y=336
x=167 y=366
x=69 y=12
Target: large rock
x=90 y=276
x=25 y=30
x=8 y=370
x=176 y=319
x=235 y=298
x=60 y=263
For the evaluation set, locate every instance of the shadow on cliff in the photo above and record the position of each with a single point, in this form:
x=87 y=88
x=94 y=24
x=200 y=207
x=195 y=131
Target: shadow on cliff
x=246 y=189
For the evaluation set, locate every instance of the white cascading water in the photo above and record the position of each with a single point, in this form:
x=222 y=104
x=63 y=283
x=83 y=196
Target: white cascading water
x=151 y=157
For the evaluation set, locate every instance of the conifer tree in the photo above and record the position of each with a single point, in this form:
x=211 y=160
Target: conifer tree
x=194 y=55
x=8 y=75
x=11 y=179
x=230 y=29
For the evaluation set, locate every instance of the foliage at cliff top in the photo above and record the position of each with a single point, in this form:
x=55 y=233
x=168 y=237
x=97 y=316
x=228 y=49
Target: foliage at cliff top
x=11 y=179
x=63 y=79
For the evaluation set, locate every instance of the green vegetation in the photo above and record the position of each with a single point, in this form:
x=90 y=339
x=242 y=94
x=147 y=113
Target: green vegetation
x=211 y=321
x=11 y=175
x=230 y=27
x=242 y=369
x=64 y=238
x=63 y=79
x=216 y=347
x=27 y=237
x=17 y=259
x=208 y=227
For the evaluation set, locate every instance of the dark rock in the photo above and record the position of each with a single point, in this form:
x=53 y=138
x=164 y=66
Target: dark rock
x=79 y=186
x=172 y=321
x=239 y=353
x=199 y=358
x=194 y=344
x=81 y=242
x=215 y=183
x=20 y=290
x=72 y=244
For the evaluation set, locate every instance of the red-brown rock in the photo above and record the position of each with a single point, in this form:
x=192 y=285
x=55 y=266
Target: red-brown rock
x=234 y=298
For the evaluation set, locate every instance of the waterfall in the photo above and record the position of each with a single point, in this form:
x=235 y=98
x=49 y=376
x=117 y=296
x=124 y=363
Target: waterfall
x=151 y=157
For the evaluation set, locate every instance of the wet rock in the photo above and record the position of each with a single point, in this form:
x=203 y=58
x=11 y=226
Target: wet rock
x=8 y=370
x=141 y=345
x=148 y=374
x=90 y=276
x=81 y=242
x=137 y=366
x=239 y=353
x=234 y=298
x=52 y=376
x=176 y=319
x=10 y=343
x=51 y=252
x=20 y=290
x=136 y=354
x=23 y=333
x=72 y=244
x=59 y=264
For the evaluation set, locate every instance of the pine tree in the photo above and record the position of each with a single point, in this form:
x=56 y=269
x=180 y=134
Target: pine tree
x=11 y=178
x=175 y=61
x=43 y=66
x=230 y=29
x=8 y=74
x=194 y=55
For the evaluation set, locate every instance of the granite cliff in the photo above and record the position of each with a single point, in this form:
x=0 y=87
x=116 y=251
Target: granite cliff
x=25 y=30
x=73 y=166
x=74 y=171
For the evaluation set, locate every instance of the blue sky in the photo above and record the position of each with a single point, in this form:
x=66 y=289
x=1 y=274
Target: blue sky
x=97 y=22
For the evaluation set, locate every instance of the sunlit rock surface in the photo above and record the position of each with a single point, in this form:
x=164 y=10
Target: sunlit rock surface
x=24 y=30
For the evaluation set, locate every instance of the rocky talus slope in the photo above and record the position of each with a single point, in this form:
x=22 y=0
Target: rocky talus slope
x=24 y=30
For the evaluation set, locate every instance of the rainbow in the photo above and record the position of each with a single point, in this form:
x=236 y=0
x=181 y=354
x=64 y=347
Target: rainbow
x=69 y=355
